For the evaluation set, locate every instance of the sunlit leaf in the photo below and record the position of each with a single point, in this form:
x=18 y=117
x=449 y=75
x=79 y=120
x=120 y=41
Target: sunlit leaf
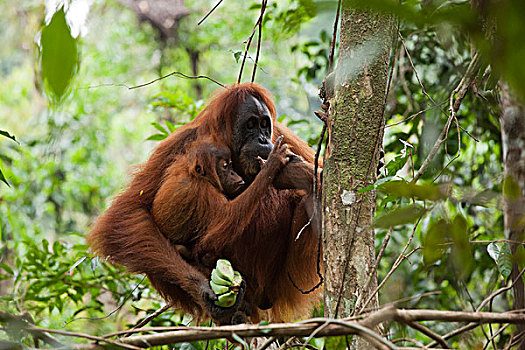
x=493 y=251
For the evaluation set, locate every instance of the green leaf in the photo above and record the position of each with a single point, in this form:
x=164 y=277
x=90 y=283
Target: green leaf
x=400 y=216
x=376 y=184
x=433 y=240
x=505 y=260
x=237 y=55
x=157 y=137
x=412 y=190
x=264 y=323
x=171 y=126
x=395 y=165
x=461 y=252
x=160 y=128
x=59 y=56
x=335 y=342
x=7 y=269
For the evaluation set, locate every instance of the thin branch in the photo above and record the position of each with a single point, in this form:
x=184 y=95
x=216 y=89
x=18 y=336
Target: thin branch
x=413 y=341
x=429 y=333
x=383 y=247
x=178 y=74
x=209 y=12
x=334 y=38
x=471 y=326
x=248 y=43
x=491 y=340
x=259 y=38
x=151 y=317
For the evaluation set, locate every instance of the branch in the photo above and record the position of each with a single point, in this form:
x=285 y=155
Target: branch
x=459 y=316
x=429 y=333
x=209 y=12
x=148 y=319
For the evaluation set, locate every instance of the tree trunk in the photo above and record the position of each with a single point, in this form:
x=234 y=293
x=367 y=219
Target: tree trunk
x=513 y=136
x=355 y=128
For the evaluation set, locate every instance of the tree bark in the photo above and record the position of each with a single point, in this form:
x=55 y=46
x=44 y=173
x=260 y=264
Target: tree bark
x=355 y=125
x=513 y=136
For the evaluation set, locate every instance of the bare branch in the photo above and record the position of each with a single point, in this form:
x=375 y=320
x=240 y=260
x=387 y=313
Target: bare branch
x=209 y=12
x=429 y=333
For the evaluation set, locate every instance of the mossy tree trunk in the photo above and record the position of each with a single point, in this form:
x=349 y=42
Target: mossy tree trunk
x=513 y=136
x=355 y=125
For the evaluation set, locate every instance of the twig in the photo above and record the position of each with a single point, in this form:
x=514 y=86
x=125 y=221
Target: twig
x=179 y=74
x=383 y=247
x=150 y=317
x=267 y=343
x=361 y=330
x=209 y=12
x=314 y=333
x=429 y=333
x=495 y=335
x=413 y=341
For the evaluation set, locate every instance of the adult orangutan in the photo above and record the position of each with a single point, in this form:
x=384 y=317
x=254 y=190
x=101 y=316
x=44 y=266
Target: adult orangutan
x=240 y=117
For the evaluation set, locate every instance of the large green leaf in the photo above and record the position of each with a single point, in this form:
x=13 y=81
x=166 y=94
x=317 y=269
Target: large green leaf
x=59 y=56
x=412 y=190
x=400 y=216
